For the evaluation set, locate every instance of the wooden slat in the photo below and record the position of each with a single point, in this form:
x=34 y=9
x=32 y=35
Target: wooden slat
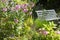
x=47 y=14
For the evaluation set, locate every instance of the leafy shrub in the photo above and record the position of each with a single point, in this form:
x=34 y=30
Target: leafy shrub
x=46 y=31
x=13 y=16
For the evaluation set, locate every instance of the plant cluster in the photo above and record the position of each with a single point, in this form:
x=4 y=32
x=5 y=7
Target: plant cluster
x=14 y=15
x=16 y=22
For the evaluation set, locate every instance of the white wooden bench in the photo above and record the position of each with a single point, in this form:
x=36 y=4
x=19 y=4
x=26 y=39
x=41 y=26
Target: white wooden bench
x=47 y=15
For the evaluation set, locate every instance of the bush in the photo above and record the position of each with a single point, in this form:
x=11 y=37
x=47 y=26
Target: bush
x=46 y=30
x=13 y=16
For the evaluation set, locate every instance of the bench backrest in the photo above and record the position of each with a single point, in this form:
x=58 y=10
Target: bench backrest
x=46 y=14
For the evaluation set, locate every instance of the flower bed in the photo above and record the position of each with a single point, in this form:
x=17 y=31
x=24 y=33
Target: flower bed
x=16 y=23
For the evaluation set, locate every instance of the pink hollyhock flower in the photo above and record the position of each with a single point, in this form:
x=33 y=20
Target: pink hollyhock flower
x=16 y=20
x=25 y=10
x=17 y=7
x=58 y=32
x=4 y=9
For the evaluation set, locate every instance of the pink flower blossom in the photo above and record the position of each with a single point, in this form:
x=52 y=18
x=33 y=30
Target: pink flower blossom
x=4 y=9
x=17 y=7
x=25 y=10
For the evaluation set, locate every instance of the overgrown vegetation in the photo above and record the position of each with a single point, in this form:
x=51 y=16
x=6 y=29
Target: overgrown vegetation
x=16 y=22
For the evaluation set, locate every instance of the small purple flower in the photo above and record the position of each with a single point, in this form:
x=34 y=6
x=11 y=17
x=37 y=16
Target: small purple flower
x=16 y=20
x=4 y=9
x=17 y=7
x=25 y=10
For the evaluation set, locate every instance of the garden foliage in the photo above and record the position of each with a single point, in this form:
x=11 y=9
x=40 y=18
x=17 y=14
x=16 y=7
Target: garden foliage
x=16 y=22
